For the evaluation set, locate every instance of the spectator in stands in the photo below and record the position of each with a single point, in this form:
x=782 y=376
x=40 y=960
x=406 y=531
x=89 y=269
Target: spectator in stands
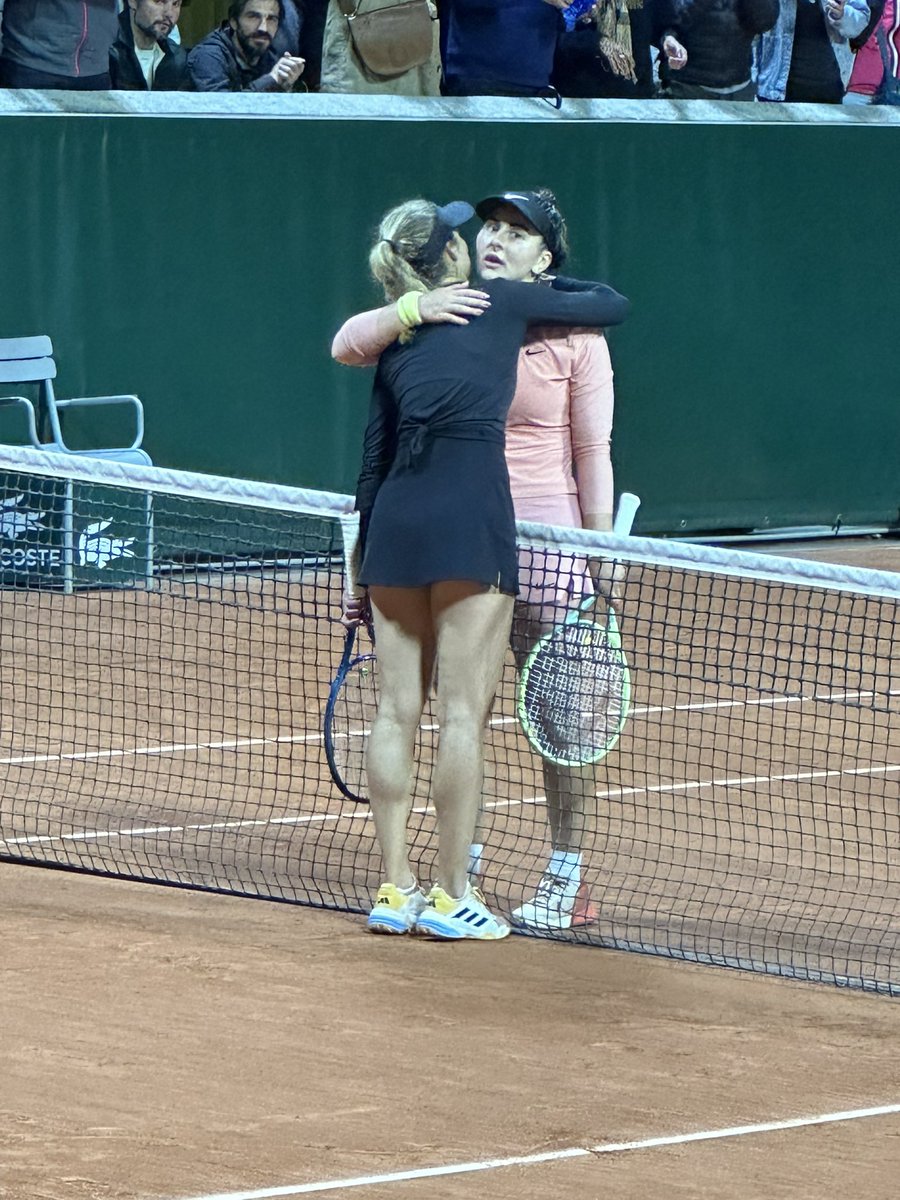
x=144 y=57
x=344 y=71
x=867 y=83
x=491 y=49
x=57 y=44
x=238 y=57
x=796 y=57
x=608 y=53
x=718 y=37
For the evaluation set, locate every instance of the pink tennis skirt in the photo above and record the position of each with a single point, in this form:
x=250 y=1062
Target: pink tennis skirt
x=550 y=579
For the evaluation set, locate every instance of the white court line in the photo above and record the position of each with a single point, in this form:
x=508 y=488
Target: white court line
x=527 y=1160
x=326 y=818
x=302 y=738
x=364 y=814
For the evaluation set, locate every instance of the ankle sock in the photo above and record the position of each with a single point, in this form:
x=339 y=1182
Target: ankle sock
x=566 y=865
x=475 y=852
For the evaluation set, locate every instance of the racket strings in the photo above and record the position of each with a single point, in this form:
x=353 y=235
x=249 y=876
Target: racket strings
x=574 y=698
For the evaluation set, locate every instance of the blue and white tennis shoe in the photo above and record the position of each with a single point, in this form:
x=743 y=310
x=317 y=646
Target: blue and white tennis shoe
x=395 y=910
x=470 y=917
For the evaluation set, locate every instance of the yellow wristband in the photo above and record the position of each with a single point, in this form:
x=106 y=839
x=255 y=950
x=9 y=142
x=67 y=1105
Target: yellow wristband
x=408 y=309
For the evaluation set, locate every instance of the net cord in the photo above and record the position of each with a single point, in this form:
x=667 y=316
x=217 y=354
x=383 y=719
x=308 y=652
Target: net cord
x=282 y=498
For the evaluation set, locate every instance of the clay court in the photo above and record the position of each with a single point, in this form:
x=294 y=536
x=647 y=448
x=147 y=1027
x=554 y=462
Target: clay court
x=163 y=1043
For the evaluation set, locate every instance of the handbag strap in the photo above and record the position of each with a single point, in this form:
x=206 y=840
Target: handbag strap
x=350 y=8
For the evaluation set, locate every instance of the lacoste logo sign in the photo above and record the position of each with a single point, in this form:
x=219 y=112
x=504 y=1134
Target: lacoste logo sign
x=94 y=547
x=16 y=521
x=96 y=550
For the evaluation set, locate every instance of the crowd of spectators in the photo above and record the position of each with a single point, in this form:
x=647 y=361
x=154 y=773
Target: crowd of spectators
x=815 y=51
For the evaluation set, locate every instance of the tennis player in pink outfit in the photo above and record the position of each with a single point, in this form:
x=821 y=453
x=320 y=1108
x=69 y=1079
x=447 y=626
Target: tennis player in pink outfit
x=558 y=456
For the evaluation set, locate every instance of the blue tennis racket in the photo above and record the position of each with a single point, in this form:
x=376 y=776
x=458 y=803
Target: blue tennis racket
x=574 y=691
x=349 y=714
x=353 y=696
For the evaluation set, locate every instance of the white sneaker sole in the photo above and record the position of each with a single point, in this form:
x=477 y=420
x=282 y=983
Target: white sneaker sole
x=432 y=924
x=546 y=922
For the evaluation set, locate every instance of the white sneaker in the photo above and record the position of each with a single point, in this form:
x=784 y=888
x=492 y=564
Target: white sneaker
x=556 y=905
x=470 y=917
x=395 y=911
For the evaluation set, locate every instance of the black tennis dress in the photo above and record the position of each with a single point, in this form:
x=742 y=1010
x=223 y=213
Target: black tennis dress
x=433 y=493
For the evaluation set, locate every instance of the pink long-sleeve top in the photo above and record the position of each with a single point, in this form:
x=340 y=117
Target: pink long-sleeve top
x=559 y=425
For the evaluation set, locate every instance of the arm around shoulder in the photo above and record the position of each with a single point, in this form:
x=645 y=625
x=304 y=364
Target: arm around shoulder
x=361 y=339
x=600 y=305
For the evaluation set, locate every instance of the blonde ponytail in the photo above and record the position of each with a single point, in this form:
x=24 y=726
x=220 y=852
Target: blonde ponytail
x=402 y=234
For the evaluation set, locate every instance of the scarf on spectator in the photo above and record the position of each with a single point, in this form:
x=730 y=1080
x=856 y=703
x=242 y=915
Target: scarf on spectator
x=614 y=28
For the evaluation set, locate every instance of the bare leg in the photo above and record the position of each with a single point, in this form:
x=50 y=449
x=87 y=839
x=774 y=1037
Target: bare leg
x=472 y=627
x=405 y=640
x=571 y=805
x=570 y=791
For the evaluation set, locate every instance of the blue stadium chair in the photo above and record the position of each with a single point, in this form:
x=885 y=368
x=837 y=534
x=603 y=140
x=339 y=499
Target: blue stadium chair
x=30 y=360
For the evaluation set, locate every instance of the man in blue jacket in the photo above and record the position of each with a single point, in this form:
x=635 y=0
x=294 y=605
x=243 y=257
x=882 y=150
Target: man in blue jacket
x=238 y=57
x=499 y=47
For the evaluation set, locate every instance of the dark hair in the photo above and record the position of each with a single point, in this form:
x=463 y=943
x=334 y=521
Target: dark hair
x=556 y=234
x=236 y=8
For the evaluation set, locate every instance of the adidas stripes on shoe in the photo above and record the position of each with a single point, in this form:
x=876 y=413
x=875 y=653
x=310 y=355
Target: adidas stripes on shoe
x=469 y=917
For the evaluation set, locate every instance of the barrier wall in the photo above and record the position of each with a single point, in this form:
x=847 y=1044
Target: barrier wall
x=201 y=251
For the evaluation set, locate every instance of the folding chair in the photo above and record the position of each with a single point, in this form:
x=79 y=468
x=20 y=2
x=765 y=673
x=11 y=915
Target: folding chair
x=30 y=360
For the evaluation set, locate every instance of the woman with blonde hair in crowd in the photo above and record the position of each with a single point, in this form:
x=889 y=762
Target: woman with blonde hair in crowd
x=438 y=538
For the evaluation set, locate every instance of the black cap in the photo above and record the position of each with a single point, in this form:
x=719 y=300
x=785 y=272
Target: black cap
x=539 y=211
x=447 y=218
x=456 y=213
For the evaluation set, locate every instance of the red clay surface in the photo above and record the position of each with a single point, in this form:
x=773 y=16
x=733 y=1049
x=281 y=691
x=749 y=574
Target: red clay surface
x=159 y=1043
x=165 y=1043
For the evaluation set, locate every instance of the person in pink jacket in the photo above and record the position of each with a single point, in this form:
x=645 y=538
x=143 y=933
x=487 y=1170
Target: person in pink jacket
x=867 y=78
x=558 y=456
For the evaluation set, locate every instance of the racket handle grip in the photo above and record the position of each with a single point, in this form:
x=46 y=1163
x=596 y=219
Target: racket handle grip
x=350 y=535
x=629 y=503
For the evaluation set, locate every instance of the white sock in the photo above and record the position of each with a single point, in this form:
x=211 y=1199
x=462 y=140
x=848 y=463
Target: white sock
x=566 y=865
x=475 y=852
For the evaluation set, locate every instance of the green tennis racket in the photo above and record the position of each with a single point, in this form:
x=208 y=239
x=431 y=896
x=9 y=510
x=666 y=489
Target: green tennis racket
x=574 y=691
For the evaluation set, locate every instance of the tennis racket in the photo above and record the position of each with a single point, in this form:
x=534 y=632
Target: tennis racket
x=353 y=697
x=574 y=691
x=349 y=713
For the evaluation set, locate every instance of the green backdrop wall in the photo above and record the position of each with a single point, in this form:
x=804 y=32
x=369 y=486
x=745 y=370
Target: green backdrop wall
x=206 y=264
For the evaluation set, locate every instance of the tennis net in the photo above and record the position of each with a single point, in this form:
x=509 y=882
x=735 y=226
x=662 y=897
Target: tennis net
x=167 y=644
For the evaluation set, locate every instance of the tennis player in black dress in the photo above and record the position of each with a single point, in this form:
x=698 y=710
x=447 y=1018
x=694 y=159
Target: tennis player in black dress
x=438 y=547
